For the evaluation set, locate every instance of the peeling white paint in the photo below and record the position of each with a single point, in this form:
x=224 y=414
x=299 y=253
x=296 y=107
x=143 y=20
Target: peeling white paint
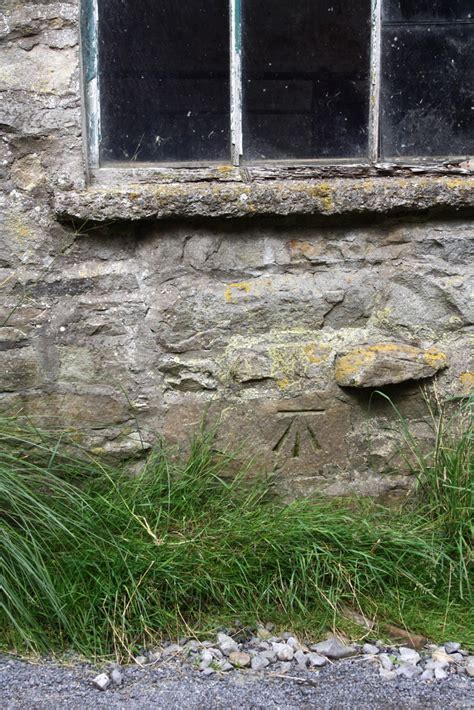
x=236 y=81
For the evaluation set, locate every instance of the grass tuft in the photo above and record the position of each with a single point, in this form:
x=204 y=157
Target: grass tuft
x=444 y=490
x=105 y=563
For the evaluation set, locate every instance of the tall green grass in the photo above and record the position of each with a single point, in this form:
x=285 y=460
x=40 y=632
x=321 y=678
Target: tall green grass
x=105 y=563
x=444 y=476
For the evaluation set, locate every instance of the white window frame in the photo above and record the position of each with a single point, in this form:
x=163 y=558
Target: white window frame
x=235 y=170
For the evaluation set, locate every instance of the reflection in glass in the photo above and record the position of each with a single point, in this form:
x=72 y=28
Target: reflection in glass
x=422 y=10
x=305 y=78
x=164 y=80
x=427 y=106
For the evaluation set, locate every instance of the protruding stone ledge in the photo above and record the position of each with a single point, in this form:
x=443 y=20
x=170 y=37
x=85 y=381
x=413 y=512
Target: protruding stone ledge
x=325 y=198
x=387 y=364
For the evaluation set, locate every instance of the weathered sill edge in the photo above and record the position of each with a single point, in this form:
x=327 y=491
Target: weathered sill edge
x=326 y=198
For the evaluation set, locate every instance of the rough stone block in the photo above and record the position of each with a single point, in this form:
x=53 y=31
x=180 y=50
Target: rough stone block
x=94 y=409
x=302 y=436
x=237 y=318
x=282 y=356
x=18 y=370
x=12 y=339
x=202 y=312
x=41 y=70
x=28 y=173
x=387 y=363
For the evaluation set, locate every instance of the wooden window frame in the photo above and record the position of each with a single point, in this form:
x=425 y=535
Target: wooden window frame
x=123 y=173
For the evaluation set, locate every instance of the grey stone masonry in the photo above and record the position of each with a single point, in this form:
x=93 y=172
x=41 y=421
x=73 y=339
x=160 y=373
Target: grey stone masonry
x=272 y=303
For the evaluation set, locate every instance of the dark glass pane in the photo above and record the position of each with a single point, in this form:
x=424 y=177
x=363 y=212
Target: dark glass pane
x=423 y=10
x=305 y=78
x=427 y=90
x=164 y=80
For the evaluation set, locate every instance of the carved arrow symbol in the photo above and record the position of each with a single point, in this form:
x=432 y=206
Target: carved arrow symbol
x=297 y=432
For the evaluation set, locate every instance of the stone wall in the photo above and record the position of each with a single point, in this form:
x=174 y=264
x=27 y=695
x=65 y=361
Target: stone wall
x=133 y=313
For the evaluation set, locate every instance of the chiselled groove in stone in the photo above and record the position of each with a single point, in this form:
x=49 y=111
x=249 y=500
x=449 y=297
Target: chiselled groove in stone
x=315 y=443
x=129 y=323
x=301 y=433
x=282 y=438
x=299 y=412
x=296 y=445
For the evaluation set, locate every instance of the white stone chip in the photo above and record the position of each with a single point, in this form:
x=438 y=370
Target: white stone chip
x=333 y=648
x=316 y=660
x=452 y=647
x=227 y=644
x=301 y=658
x=409 y=655
x=370 y=649
x=283 y=652
x=102 y=681
x=259 y=663
x=470 y=670
x=386 y=661
x=116 y=676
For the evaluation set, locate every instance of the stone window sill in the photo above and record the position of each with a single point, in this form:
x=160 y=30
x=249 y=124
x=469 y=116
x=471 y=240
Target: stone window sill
x=325 y=198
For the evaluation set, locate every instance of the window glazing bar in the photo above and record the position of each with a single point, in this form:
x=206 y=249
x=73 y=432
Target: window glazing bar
x=236 y=79
x=90 y=73
x=375 y=72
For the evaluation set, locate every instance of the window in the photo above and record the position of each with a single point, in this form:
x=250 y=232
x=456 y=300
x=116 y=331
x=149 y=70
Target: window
x=255 y=81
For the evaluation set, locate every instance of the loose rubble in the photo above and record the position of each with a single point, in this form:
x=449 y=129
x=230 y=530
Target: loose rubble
x=102 y=681
x=333 y=648
x=116 y=677
x=262 y=651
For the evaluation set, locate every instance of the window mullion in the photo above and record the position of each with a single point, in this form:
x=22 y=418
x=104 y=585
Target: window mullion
x=375 y=72
x=89 y=59
x=236 y=79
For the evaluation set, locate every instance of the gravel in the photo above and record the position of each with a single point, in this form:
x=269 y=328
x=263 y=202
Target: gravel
x=350 y=684
x=248 y=670
x=370 y=649
x=409 y=655
x=333 y=648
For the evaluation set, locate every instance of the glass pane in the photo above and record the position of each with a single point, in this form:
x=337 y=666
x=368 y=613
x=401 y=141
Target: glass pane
x=164 y=80
x=305 y=78
x=422 y=10
x=427 y=90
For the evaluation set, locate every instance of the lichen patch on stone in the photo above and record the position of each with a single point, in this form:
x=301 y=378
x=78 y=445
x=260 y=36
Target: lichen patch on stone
x=387 y=363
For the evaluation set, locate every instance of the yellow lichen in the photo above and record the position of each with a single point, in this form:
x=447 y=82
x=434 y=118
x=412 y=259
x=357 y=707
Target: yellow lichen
x=381 y=317
x=254 y=288
x=466 y=379
x=435 y=359
x=20 y=231
x=291 y=361
x=225 y=169
x=453 y=183
x=239 y=286
x=391 y=347
x=348 y=365
x=316 y=353
x=323 y=191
